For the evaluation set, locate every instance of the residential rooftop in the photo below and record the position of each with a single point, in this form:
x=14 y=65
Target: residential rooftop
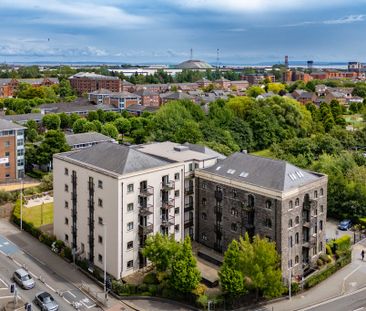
x=89 y=137
x=6 y=125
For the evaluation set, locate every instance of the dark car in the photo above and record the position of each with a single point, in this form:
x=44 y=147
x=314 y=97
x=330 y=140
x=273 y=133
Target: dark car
x=345 y=225
x=46 y=302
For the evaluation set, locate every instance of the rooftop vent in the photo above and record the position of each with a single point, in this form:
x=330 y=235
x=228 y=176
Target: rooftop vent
x=244 y=174
x=218 y=168
x=230 y=171
x=180 y=148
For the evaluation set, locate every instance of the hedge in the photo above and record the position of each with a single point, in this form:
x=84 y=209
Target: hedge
x=342 y=244
x=328 y=271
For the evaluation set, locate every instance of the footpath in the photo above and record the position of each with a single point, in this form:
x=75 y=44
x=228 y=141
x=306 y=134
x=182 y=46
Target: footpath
x=346 y=280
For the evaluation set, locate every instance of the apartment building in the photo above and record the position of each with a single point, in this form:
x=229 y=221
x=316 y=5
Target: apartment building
x=192 y=157
x=11 y=151
x=255 y=195
x=8 y=87
x=85 y=82
x=120 y=100
x=117 y=195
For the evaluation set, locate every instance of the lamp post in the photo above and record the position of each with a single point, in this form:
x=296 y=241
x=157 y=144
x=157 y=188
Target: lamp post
x=21 y=204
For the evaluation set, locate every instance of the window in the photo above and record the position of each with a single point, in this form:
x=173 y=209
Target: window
x=321 y=225
x=66 y=237
x=7 y=154
x=100 y=184
x=290 y=263
x=82 y=246
x=66 y=188
x=129 y=264
x=251 y=200
x=7 y=175
x=130 y=226
x=66 y=171
x=204 y=201
x=100 y=239
x=315 y=212
x=176 y=193
x=176 y=176
x=100 y=220
x=7 y=164
x=297 y=220
x=20 y=162
x=290 y=223
x=297 y=202
x=176 y=210
x=290 y=205
x=268 y=223
x=100 y=258
x=196 y=165
x=204 y=216
x=315 y=194
x=100 y=202
x=66 y=221
x=234 y=212
x=296 y=259
x=7 y=144
x=321 y=208
x=320 y=246
x=290 y=241
x=204 y=186
x=130 y=188
x=20 y=142
x=234 y=227
x=321 y=192
x=66 y=204
x=314 y=251
x=129 y=207
x=268 y=204
x=190 y=167
x=235 y=194
x=204 y=237
x=20 y=152
x=296 y=238
x=130 y=245
x=176 y=227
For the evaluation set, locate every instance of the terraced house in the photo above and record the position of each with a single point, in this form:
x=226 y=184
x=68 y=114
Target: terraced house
x=255 y=195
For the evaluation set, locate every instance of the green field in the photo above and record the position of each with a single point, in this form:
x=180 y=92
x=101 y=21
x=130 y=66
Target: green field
x=39 y=215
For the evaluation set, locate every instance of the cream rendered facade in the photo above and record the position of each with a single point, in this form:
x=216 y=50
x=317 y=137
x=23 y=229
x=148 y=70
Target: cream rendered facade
x=117 y=204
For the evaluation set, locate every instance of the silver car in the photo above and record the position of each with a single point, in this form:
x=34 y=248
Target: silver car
x=24 y=279
x=46 y=302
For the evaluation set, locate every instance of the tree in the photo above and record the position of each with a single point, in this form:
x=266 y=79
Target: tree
x=255 y=91
x=92 y=115
x=54 y=142
x=31 y=134
x=184 y=275
x=78 y=126
x=160 y=250
x=89 y=127
x=251 y=266
x=46 y=182
x=189 y=132
x=275 y=87
x=65 y=120
x=51 y=121
x=123 y=125
x=110 y=130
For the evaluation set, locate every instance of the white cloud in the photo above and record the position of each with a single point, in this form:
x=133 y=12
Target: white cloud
x=343 y=20
x=81 y=12
x=250 y=6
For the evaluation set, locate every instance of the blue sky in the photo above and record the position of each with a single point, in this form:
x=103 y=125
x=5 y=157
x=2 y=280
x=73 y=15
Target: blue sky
x=164 y=31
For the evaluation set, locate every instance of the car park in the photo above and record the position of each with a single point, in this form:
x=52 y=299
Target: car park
x=23 y=279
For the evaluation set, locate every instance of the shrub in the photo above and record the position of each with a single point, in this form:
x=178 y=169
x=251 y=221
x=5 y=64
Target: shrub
x=119 y=288
x=47 y=239
x=66 y=252
x=295 y=288
x=202 y=302
x=142 y=287
x=153 y=289
x=362 y=221
x=329 y=250
x=151 y=278
x=319 y=262
x=200 y=289
x=325 y=258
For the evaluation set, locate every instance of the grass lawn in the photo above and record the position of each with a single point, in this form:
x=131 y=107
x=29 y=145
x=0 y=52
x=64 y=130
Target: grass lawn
x=263 y=153
x=355 y=120
x=34 y=214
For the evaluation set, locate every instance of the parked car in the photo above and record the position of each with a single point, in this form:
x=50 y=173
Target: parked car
x=23 y=279
x=46 y=302
x=345 y=224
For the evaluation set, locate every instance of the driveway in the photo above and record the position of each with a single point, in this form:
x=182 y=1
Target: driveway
x=332 y=231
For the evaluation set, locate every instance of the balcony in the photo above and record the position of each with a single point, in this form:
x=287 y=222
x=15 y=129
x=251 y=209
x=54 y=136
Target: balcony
x=219 y=195
x=189 y=175
x=189 y=190
x=146 y=210
x=147 y=191
x=188 y=207
x=188 y=223
x=168 y=204
x=168 y=185
x=167 y=221
x=145 y=229
x=306 y=222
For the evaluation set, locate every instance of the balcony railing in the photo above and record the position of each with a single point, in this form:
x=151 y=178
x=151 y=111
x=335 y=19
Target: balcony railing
x=146 y=229
x=146 y=210
x=189 y=190
x=188 y=223
x=147 y=191
x=188 y=207
x=168 y=185
x=218 y=228
x=306 y=222
x=167 y=221
x=167 y=204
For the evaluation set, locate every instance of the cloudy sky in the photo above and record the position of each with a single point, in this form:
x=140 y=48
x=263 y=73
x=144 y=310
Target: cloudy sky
x=164 y=31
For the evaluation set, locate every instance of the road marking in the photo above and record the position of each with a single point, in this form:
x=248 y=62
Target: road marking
x=67 y=300
x=2 y=281
x=359 y=309
x=346 y=277
x=50 y=287
x=71 y=294
x=17 y=263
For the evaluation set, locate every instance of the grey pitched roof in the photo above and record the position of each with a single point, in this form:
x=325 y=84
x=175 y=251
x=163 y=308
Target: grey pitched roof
x=8 y=125
x=23 y=118
x=114 y=158
x=205 y=150
x=263 y=172
x=89 y=137
x=175 y=95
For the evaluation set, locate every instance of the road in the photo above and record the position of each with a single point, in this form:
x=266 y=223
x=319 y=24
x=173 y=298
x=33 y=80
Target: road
x=12 y=257
x=351 y=302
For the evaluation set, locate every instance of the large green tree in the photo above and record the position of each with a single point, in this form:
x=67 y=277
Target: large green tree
x=51 y=121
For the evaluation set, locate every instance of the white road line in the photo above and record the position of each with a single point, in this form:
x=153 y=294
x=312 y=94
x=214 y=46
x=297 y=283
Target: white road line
x=67 y=300
x=359 y=309
x=32 y=274
x=2 y=281
x=17 y=263
x=71 y=294
x=50 y=287
x=346 y=277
